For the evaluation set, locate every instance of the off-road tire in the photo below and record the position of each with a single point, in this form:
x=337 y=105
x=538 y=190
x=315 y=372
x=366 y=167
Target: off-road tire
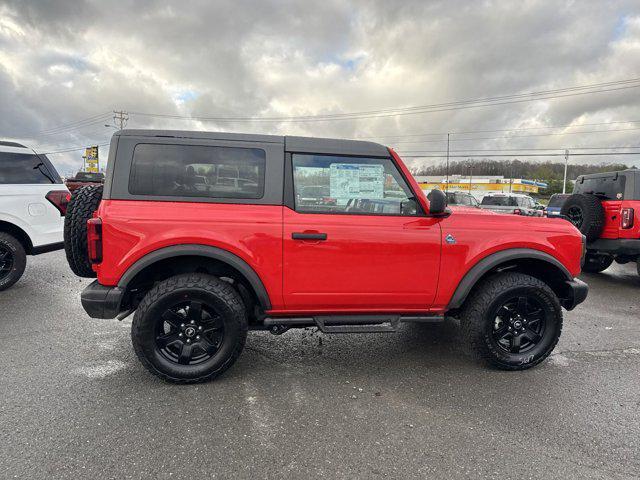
x=83 y=203
x=11 y=247
x=209 y=290
x=596 y=263
x=586 y=213
x=477 y=321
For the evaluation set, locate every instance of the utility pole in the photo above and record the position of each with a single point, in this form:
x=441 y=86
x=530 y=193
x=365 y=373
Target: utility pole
x=510 y=175
x=566 y=162
x=120 y=118
x=446 y=187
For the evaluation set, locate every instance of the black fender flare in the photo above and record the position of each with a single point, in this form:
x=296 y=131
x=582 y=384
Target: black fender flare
x=489 y=262
x=202 y=251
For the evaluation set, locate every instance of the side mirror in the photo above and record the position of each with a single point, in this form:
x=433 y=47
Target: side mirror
x=437 y=202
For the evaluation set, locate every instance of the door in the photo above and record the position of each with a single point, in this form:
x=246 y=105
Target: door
x=355 y=238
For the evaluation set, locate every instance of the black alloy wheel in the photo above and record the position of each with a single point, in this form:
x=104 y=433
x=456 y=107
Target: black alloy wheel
x=575 y=216
x=189 y=333
x=6 y=262
x=519 y=324
x=189 y=328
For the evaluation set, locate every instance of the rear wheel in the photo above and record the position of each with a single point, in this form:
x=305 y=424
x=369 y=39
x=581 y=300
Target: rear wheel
x=13 y=260
x=83 y=203
x=513 y=321
x=596 y=263
x=189 y=328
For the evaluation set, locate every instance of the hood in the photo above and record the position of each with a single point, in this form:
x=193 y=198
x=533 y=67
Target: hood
x=509 y=221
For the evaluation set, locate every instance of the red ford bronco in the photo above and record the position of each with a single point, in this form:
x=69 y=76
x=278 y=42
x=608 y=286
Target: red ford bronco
x=605 y=207
x=208 y=235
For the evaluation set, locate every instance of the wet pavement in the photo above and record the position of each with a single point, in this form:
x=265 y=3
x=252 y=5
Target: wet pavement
x=76 y=403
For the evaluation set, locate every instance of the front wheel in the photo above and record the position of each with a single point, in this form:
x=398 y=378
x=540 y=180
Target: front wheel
x=189 y=328
x=596 y=263
x=512 y=321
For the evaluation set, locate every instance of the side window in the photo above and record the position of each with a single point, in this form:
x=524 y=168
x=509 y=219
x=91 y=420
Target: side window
x=21 y=168
x=355 y=185
x=464 y=200
x=197 y=171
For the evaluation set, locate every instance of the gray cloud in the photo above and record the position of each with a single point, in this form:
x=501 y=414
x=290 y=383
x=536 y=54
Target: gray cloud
x=64 y=61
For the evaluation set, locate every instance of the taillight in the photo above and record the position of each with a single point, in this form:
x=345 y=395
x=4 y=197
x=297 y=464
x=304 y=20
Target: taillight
x=94 y=239
x=59 y=199
x=627 y=218
x=517 y=211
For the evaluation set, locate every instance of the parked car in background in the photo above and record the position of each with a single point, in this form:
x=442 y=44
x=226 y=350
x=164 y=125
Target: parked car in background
x=555 y=204
x=463 y=199
x=516 y=203
x=33 y=202
x=605 y=207
x=199 y=271
x=82 y=179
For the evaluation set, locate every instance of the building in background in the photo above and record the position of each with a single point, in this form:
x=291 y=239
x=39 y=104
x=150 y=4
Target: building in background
x=481 y=185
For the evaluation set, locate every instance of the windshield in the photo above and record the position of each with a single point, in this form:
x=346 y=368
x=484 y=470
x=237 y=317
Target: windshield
x=499 y=201
x=557 y=200
x=90 y=177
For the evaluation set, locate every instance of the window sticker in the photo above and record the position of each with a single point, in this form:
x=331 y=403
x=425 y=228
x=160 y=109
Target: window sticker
x=355 y=180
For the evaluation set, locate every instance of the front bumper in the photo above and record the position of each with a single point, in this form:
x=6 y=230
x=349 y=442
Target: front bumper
x=616 y=246
x=576 y=293
x=100 y=301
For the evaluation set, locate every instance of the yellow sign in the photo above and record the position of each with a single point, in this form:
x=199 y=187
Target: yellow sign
x=91 y=159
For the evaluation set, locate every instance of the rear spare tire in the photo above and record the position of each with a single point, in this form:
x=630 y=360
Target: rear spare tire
x=586 y=213
x=84 y=202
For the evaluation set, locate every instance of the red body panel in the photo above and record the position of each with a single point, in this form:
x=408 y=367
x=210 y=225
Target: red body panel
x=367 y=263
x=372 y=262
x=613 y=217
x=132 y=229
x=478 y=235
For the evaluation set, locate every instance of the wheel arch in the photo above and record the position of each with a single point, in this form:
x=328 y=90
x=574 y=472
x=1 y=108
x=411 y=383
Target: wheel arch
x=177 y=259
x=525 y=260
x=19 y=234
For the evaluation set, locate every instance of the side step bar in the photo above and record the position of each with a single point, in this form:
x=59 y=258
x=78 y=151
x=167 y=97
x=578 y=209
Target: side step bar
x=348 y=323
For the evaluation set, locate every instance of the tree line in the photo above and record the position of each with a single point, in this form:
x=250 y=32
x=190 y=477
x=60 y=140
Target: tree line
x=551 y=173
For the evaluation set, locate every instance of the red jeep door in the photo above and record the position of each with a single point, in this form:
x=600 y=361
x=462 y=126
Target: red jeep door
x=355 y=238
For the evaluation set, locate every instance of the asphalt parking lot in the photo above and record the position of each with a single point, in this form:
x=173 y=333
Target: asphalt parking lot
x=76 y=403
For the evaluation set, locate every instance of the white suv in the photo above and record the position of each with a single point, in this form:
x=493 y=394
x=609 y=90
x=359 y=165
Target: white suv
x=33 y=202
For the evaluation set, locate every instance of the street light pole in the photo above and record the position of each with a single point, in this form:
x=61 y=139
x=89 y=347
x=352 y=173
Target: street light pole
x=566 y=162
x=446 y=187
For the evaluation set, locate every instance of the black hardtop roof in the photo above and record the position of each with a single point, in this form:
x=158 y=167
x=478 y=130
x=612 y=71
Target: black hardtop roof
x=291 y=143
x=628 y=171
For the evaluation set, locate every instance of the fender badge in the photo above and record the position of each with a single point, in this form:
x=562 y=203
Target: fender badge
x=450 y=239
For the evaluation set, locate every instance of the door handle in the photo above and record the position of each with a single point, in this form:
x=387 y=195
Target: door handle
x=308 y=236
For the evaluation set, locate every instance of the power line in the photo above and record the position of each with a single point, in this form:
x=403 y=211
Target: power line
x=520 y=136
x=74 y=149
x=457 y=105
x=500 y=130
x=412 y=155
x=76 y=124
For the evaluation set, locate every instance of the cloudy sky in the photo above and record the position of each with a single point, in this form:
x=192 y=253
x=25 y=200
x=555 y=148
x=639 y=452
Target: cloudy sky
x=66 y=65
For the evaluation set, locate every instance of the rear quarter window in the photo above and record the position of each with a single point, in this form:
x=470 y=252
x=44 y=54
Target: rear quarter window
x=197 y=171
x=25 y=169
x=607 y=187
